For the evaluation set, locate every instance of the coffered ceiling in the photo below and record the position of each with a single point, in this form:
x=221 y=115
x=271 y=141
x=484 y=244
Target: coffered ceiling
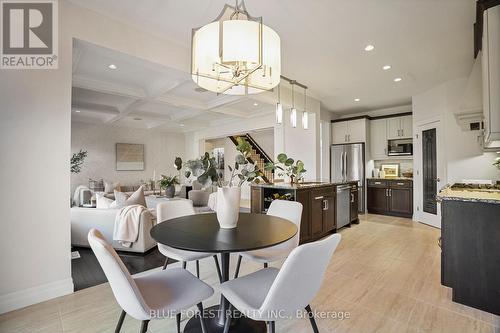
x=139 y=94
x=426 y=42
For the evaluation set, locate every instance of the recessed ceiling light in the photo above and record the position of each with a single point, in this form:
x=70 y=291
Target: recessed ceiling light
x=397 y=79
x=356 y=99
x=137 y=118
x=181 y=125
x=77 y=111
x=255 y=104
x=112 y=66
x=369 y=47
x=386 y=67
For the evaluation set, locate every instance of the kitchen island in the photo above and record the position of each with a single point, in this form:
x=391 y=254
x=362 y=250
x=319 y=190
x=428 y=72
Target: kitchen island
x=319 y=201
x=470 y=246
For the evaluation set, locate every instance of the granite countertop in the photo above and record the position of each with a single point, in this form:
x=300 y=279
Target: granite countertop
x=300 y=185
x=394 y=178
x=486 y=196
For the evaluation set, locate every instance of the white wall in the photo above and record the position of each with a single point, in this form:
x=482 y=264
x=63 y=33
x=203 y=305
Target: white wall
x=35 y=140
x=463 y=156
x=265 y=139
x=160 y=150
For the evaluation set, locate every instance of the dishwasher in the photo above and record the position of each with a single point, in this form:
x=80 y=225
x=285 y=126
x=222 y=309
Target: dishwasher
x=343 y=208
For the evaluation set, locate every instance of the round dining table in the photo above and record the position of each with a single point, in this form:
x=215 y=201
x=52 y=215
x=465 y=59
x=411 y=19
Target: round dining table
x=201 y=233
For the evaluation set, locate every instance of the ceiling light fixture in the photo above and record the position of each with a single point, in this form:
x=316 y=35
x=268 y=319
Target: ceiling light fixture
x=279 y=108
x=112 y=66
x=397 y=79
x=181 y=125
x=357 y=99
x=386 y=67
x=236 y=54
x=255 y=104
x=305 y=116
x=369 y=47
x=77 y=111
x=293 y=110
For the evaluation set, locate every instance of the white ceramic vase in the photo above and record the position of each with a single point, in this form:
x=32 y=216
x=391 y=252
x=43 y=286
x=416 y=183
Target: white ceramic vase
x=228 y=206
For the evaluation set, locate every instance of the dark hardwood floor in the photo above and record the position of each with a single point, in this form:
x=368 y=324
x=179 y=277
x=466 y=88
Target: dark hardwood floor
x=87 y=272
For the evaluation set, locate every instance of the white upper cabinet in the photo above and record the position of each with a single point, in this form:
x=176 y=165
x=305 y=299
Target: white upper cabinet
x=399 y=127
x=378 y=138
x=349 y=131
x=406 y=127
x=491 y=77
x=339 y=132
x=356 y=130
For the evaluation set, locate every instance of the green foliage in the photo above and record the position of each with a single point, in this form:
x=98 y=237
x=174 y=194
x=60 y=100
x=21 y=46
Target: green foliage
x=77 y=160
x=204 y=169
x=284 y=166
x=167 y=181
x=497 y=162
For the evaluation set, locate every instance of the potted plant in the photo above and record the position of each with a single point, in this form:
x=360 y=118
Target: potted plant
x=168 y=184
x=228 y=193
x=286 y=166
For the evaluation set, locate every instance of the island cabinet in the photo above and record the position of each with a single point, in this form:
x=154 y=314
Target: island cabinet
x=390 y=197
x=318 y=213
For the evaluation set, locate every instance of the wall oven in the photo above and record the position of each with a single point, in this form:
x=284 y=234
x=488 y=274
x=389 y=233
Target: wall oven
x=400 y=147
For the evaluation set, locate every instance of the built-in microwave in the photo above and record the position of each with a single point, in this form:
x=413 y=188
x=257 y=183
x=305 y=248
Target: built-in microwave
x=400 y=147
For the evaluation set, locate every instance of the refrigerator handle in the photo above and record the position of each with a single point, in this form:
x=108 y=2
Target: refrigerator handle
x=345 y=166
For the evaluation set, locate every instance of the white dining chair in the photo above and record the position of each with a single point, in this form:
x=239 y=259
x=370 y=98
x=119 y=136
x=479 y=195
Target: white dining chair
x=171 y=210
x=289 y=210
x=270 y=293
x=155 y=295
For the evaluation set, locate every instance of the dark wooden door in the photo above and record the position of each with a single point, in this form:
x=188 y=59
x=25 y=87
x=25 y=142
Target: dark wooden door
x=401 y=201
x=305 y=227
x=377 y=200
x=329 y=213
x=256 y=200
x=429 y=171
x=317 y=226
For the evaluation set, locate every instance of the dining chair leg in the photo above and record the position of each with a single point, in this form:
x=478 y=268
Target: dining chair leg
x=184 y=264
x=144 y=326
x=120 y=322
x=167 y=261
x=238 y=267
x=228 y=320
x=202 y=320
x=311 y=319
x=178 y=322
x=271 y=328
x=198 y=269
x=266 y=265
x=217 y=266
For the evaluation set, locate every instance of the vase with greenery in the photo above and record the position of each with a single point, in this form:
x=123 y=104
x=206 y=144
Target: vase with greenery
x=167 y=183
x=288 y=167
x=77 y=160
x=204 y=170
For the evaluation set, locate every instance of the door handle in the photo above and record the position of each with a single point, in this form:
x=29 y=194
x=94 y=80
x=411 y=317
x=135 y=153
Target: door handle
x=386 y=192
x=319 y=198
x=352 y=198
x=390 y=192
x=325 y=204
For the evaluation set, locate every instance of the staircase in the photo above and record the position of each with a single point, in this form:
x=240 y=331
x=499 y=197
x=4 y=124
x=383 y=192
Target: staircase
x=257 y=156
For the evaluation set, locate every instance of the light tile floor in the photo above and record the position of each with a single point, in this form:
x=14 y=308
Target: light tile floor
x=385 y=275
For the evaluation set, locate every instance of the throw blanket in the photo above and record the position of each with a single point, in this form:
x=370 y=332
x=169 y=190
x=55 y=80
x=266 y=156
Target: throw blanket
x=127 y=223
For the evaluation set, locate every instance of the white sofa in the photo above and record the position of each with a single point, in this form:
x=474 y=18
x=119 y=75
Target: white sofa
x=84 y=219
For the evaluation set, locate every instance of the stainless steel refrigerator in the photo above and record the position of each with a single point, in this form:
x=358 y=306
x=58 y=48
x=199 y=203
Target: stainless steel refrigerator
x=348 y=164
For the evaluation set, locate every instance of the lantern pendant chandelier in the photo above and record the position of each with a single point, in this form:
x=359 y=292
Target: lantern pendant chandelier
x=236 y=54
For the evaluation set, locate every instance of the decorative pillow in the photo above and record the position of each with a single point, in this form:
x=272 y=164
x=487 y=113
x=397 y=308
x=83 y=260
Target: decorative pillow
x=136 y=198
x=102 y=201
x=111 y=187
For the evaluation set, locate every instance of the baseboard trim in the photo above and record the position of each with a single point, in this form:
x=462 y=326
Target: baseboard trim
x=25 y=297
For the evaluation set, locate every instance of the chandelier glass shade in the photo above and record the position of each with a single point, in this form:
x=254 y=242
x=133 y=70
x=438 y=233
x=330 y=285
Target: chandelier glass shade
x=236 y=54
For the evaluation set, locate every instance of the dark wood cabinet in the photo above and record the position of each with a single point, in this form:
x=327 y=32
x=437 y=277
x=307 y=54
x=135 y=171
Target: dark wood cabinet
x=318 y=213
x=390 y=197
x=354 y=203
